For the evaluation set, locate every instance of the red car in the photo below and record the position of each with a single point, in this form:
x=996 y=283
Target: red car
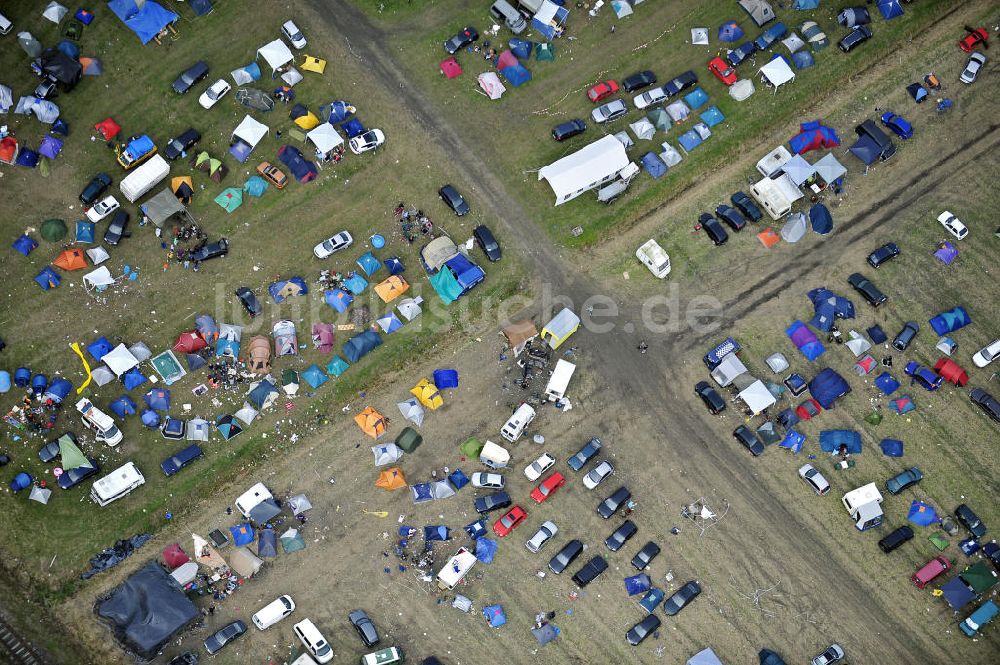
x=548 y=487
x=511 y=519
x=602 y=91
x=974 y=39
x=722 y=71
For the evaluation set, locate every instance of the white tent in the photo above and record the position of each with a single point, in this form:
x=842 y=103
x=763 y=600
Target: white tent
x=793 y=42
x=643 y=129
x=40 y=494
x=386 y=453
x=798 y=170
x=247 y=414
x=276 y=54
x=491 y=85
x=325 y=138
x=409 y=308
x=120 y=360
x=794 y=228
x=757 y=397
x=197 y=430
x=704 y=657
x=102 y=376
x=624 y=138
x=55 y=12
x=291 y=77
x=741 y=90
x=727 y=371
x=777 y=73
x=140 y=351
x=98 y=278
x=412 y=411
x=299 y=504
x=250 y=131
x=678 y=111
x=670 y=156
x=99 y=255
x=586 y=169
x=621 y=8
x=699 y=36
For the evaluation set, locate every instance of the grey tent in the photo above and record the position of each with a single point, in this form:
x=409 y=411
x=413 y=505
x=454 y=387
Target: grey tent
x=267 y=543
x=442 y=489
x=386 y=453
x=817 y=38
x=299 y=504
x=102 y=376
x=6 y=99
x=678 y=111
x=292 y=541
x=264 y=511
x=409 y=440
x=760 y=11
x=659 y=118
x=255 y=99
x=625 y=139
x=244 y=562
x=777 y=362
x=768 y=433
x=140 y=352
x=545 y=634
x=462 y=603
x=794 y=228
x=55 y=12
x=643 y=129
x=412 y=411
x=197 y=430
x=741 y=90
x=162 y=207
x=704 y=657
x=670 y=155
x=40 y=494
x=31 y=46
x=247 y=414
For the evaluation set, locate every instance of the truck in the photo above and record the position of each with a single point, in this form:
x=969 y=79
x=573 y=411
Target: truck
x=144 y=178
x=99 y=423
x=455 y=569
x=559 y=381
x=864 y=505
x=136 y=151
x=116 y=484
x=653 y=257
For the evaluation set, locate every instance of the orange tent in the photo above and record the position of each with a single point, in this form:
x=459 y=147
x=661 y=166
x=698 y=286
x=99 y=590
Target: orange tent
x=391 y=479
x=71 y=259
x=391 y=288
x=371 y=422
x=768 y=237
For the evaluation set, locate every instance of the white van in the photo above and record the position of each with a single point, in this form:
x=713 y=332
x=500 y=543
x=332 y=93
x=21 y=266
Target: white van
x=99 y=423
x=515 y=426
x=5 y=25
x=253 y=496
x=144 y=178
x=559 y=381
x=313 y=641
x=304 y=659
x=383 y=657
x=502 y=10
x=273 y=612
x=116 y=484
x=455 y=569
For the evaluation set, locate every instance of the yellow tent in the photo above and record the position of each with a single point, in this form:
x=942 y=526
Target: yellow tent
x=391 y=479
x=313 y=64
x=428 y=394
x=307 y=121
x=391 y=288
x=371 y=422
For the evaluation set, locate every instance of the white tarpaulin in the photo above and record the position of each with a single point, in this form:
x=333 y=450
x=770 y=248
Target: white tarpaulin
x=276 y=54
x=250 y=131
x=98 y=278
x=757 y=397
x=119 y=360
x=325 y=138
x=777 y=73
x=587 y=168
x=6 y=99
x=491 y=85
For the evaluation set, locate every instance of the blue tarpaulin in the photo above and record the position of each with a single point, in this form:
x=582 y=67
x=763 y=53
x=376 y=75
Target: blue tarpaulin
x=546 y=22
x=22 y=481
x=336 y=112
x=495 y=616
x=652 y=599
x=486 y=549
x=793 y=441
x=957 y=593
x=243 y=534
x=285 y=288
x=394 y=265
x=803 y=59
x=637 y=584
x=123 y=406
x=886 y=383
x=827 y=387
x=446 y=286
x=147 y=22
x=950 y=321
x=475 y=529
x=891 y=447
x=653 y=165
x=922 y=514
x=369 y=263
x=303 y=170
x=445 y=378
x=820 y=218
x=831 y=440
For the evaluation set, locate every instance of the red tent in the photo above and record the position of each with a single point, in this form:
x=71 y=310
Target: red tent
x=174 y=556
x=108 y=128
x=505 y=60
x=450 y=68
x=189 y=342
x=951 y=372
x=8 y=149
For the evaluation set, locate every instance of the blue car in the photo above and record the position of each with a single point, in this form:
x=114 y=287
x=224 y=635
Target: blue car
x=771 y=35
x=926 y=377
x=585 y=454
x=741 y=53
x=175 y=463
x=898 y=125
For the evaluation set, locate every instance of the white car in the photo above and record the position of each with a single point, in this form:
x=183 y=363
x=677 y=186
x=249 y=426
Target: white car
x=102 y=208
x=215 y=92
x=370 y=140
x=333 y=244
x=953 y=224
x=598 y=474
x=293 y=34
x=649 y=97
x=493 y=481
x=542 y=536
x=814 y=479
x=971 y=71
x=535 y=470
x=273 y=612
x=987 y=354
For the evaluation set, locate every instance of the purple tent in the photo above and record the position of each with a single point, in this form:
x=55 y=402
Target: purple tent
x=946 y=253
x=805 y=340
x=50 y=147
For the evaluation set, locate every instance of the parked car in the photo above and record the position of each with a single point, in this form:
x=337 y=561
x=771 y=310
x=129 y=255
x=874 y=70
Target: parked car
x=102 y=208
x=46 y=89
x=292 y=33
x=176 y=462
x=974 y=38
x=366 y=141
x=602 y=90
x=487 y=480
x=249 y=301
x=273 y=612
x=868 y=291
x=542 y=536
x=987 y=354
x=313 y=641
x=212 y=250
x=487 y=242
x=972 y=68
x=50 y=451
x=611 y=504
x=936 y=567
x=272 y=174
x=569 y=129
x=535 y=470
x=985 y=401
x=645 y=556
x=463 y=38
x=732 y=217
x=548 y=487
x=364 y=626
x=739 y=55
x=859 y=35
x=116 y=228
x=454 y=200
x=681 y=598
x=621 y=535
x=598 y=474
x=970 y=520
x=180 y=145
x=491 y=502
x=95 y=188
x=770 y=35
x=585 y=454
x=564 y=557
x=333 y=244
x=925 y=377
x=746 y=205
x=190 y=76
x=214 y=93
x=509 y=521
x=714 y=230
x=640 y=631
x=814 y=479
x=953 y=224
x=639 y=80
x=677 y=85
x=895 y=539
x=590 y=571
x=886 y=252
x=903 y=480
x=905 y=337
x=983 y=615
x=832 y=654
x=72 y=477
x=991 y=551
x=186 y=658
x=650 y=97
x=898 y=125
x=710 y=396
x=723 y=71
x=749 y=439
x=220 y=638
x=610 y=111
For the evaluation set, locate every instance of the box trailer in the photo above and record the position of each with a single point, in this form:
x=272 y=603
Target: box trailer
x=559 y=381
x=864 y=505
x=144 y=178
x=494 y=456
x=455 y=569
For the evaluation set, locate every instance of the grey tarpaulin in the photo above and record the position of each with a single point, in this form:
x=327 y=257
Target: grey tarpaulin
x=299 y=504
x=264 y=511
x=162 y=207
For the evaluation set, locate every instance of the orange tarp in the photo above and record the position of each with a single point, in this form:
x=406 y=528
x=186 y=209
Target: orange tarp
x=391 y=288
x=768 y=237
x=391 y=479
x=371 y=422
x=71 y=259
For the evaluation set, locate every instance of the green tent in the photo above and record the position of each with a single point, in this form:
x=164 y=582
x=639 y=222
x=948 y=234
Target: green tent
x=70 y=454
x=409 y=440
x=545 y=51
x=337 y=366
x=659 y=118
x=472 y=447
x=292 y=541
x=230 y=199
x=446 y=285
x=979 y=577
x=54 y=230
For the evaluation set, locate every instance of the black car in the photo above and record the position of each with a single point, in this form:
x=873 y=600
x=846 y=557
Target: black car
x=568 y=130
x=741 y=53
x=190 y=77
x=896 y=538
x=73 y=477
x=992 y=552
x=860 y=33
x=224 y=636
x=903 y=480
x=590 y=571
x=366 y=629
x=621 y=535
x=178 y=146
x=454 y=200
x=868 y=291
x=905 y=336
x=645 y=556
x=50 y=451
x=565 y=556
x=585 y=454
x=639 y=81
x=610 y=506
x=680 y=84
x=95 y=189
x=175 y=463
x=640 y=631
x=249 y=301
x=491 y=502
x=970 y=521
x=732 y=217
x=465 y=36
x=714 y=230
x=212 y=250
x=710 y=396
x=746 y=205
x=116 y=228
x=986 y=402
x=749 y=439
x=487 y=243
x=886 y=252
x=186 y=658
x=681 y=598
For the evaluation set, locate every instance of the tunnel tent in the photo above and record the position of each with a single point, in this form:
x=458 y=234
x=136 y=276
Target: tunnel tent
x=827 y=387
x=834 y=440
x=246 y=74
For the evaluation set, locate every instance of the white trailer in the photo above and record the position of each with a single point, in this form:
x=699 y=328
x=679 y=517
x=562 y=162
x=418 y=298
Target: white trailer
x=116 y=484
x=653 y=257
x=864 y=505
x=144 y=178
x=455 y=569
x=494 y=456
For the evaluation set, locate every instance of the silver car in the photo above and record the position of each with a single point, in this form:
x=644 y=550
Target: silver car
x=493 y=481
x=971 y=71
x=649 y=97
x=814 y=479
x=333 y=245
x=598 y=474
x=833 y=653
x=987 y=354
x=610 y=111
x=542 y=536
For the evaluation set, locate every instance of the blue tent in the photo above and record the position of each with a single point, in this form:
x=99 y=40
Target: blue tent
x=282 y=289
x=890 y=9
x=57 y=390
x=712 y=116
x=389 y=323
x=356 y=284
x=227 y=426
x=445 y=378
x=652 y=600
x=494 y=613
x=902 y=404
x=99 y=348
x=886 y=383
x=133 y=378
x=549 y=27
x=4 y=381
x=690 y=140
x=158 y=399
x=335 y=112
x=831 y=440
x=957 y=593
x=150 y=418
x=60 y=127
x=475 y=529
x=314 y=376
x=194 y=361
x=201 y=7
x=255 y=186
x=828 y=307
x=922 y=514
x=22 y=377
x=338 y=299
x=243 y=534
x=918 y=92
x=267 y=543
x=303 y=170
x=173 y=428
x=517 y=75
x=793 y=441
x=394 y=265
x=48 y=278
x=696 y=98
x=950 y=321
x=458 y=479
x=521 y=48
x=85 y=231
x=353 y=127
x=39 y=383
x=803 y=59
x=730 y=31
x=261 y=393
x=653 y=164
x=637 y=584
x=437 y=533
x=27 y=157
x=358 y=346
x=336 y=366
x=820 y=218
x=22 y=481
x=787 y=418
x=147 y=22
x=123 y=406
x=25 y=244
x=486 y=549
x=805 y=4
x=805 y=340
x=828 y=386
x=69 y=49
x=369 y=264
x=891 y=447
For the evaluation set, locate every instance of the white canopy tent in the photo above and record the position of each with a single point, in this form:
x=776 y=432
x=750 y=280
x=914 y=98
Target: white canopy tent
x=757 y=397
x=120 y=360
x=326 y=139
x=777 y=73
x=828 y=169
x=98 y=278
x=250 y=131
x=586 y=169
x=276 y=54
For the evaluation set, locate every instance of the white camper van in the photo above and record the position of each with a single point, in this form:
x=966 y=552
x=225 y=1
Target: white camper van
x=455 y=569
x=559 y=381
x=116 y=484
x=253 y=496
x=99 y=423
x=494 y=456
x=515 y=426
x=144 y=178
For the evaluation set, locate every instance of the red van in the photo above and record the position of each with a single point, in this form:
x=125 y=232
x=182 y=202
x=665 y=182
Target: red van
x=930 y=570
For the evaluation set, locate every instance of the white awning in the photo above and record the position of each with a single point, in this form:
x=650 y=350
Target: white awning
x=757 y=397
x=250 y=131
x=325 y=138
x=587 y=168
x=777 y=72
x=277 y=54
